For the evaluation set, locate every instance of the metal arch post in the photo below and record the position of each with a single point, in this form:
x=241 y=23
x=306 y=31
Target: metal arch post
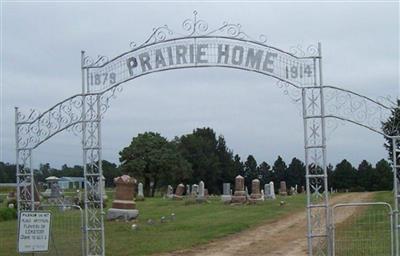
x=324 y=165
x=100 y=170
x=85 y=229
x=396 y=194
x=17 y=173
x=318 y=234
x=309 y=224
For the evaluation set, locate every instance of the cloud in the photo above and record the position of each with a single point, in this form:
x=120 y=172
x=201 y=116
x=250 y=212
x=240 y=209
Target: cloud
x=41 y=66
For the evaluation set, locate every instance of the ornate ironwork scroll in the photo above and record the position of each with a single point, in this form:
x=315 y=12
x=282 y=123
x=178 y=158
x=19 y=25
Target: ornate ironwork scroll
x=199 y=46
x=346 y=106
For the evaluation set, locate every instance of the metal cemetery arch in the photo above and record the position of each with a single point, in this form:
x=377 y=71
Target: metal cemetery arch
x=227 y=46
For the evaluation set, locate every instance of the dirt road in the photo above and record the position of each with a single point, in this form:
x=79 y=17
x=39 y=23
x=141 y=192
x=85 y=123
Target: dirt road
x=284 y=237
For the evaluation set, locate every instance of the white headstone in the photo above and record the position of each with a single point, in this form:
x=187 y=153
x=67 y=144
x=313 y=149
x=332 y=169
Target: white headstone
x=140 y=190
x=272 y=190
x=201 y=189
x=170 y=191
x=269 y=190
x=226 y=188
x=195 y=189
x=226 y=192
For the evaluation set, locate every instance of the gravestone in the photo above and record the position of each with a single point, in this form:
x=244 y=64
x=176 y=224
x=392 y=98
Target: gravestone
x=180 y=189
x=55 y=196
x=201 y=195
x=302 y=189
x=206 y=193
x=140 y=195
x=255 y=191
x=11 y=198
x=195 y=189
x=226 y=196
x=272 y=190
x=282 y=189
x=240 y=195
x=123 y=206
x=201 y=189
x=188 y=190
x=55 y=190
x=170 y=192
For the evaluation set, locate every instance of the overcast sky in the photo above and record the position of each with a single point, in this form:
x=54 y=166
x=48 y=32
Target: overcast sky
x=41 y=44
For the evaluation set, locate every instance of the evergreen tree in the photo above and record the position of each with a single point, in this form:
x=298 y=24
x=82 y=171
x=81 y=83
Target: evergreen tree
x=279 y=170
x=295 y=174
x=344 y=176
x=364 y=180
x=226 y=162
x=250 y=171
x=265 y=173
x=208 y=157
x=383 y=176
x=392 y=128
x=238 y=166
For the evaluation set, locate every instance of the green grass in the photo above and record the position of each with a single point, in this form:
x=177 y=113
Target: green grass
x=366 y=233
x=194 y=224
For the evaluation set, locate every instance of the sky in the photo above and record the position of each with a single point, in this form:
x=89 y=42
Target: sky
x=40 y=57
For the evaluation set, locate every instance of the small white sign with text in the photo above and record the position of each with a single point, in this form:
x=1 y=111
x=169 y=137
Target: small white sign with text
x=34 y=231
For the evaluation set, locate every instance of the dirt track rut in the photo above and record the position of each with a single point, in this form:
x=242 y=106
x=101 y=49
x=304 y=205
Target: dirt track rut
x=284 y=237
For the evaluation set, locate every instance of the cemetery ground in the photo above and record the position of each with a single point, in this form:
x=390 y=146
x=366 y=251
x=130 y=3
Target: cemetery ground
x=199 y=229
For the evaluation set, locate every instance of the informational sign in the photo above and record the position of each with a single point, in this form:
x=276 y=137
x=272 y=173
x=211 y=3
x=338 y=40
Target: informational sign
x=33 y=235
x=202 y=52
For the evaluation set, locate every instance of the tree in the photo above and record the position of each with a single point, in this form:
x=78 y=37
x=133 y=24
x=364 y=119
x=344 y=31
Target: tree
x=238 y=166
x=110 y=171
x=265 y=173
x=391 y=127
x=151 y=156
x=329 y=170
x=210 y=158
x=383 y=176
x=364 y=177
x=250 y=170
x=226 y=162
x=279 y=169
x=344 y=176
x=296 y=173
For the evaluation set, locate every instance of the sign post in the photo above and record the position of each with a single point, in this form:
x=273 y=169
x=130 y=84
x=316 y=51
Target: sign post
x=33 y=233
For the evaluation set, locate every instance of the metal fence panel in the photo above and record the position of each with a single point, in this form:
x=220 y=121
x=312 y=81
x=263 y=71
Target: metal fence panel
x=362 y=229
x=66 y=236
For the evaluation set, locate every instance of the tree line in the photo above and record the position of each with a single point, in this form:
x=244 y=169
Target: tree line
x=202 y=155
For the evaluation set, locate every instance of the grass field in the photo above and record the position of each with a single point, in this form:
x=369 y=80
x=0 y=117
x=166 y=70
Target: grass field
x=194 y=224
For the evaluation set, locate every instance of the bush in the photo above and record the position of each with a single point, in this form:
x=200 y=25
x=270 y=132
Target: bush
x=7 y=214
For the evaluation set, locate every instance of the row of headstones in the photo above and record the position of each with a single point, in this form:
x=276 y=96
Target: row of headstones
x=197 y=191
x=241 y=194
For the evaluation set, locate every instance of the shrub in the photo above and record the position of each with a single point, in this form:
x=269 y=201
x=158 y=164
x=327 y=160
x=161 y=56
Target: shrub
x=7 y=214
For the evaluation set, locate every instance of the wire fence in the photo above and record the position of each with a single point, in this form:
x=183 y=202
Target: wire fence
x=363 y=229
x=66 y=237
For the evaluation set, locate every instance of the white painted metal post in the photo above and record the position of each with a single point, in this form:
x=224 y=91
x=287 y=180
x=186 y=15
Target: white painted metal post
x=324 y=165
x=396 y=194
x=100 y=166
x=309 y=224
x=83 y=118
